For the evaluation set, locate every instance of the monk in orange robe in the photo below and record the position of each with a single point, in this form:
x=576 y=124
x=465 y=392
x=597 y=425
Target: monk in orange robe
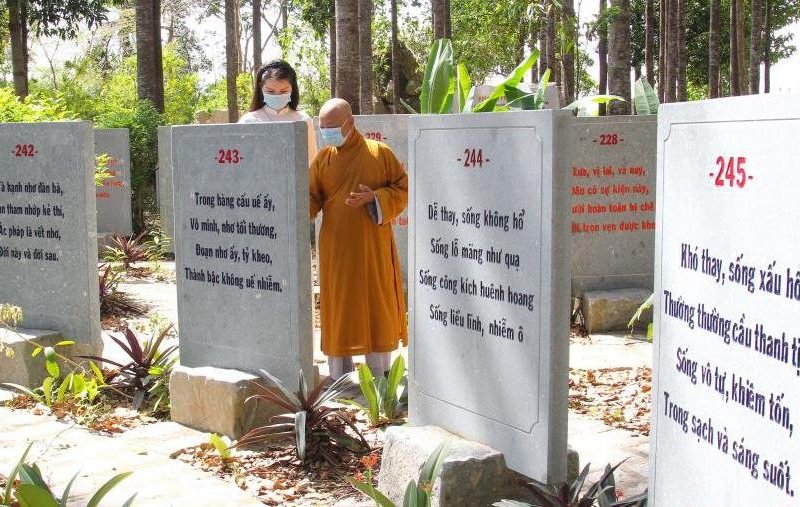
x=360 y=186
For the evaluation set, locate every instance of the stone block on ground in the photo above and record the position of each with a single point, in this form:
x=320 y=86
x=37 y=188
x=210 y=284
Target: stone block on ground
x=472 y=474
x=611 y=310
x=213 y=399
x=23 y=369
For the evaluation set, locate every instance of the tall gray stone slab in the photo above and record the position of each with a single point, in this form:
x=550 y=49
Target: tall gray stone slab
x=612 y=188
x=243 y=270
x=48 y=250
x=114 y=214
x=727 y=355
x=471 y=176
x=164 y=183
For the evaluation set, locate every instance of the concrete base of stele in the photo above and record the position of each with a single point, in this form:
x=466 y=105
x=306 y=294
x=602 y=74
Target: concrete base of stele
x=611 y=310
x=472 y=473
x=17 y=364
x=213 y=399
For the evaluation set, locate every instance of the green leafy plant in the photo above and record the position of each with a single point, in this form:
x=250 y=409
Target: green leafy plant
x=127 y=250
x=381 y=394
x=148 y=368
x=509 y=88
x=101 y=172
x=438 y=82
x=222 y=445
x=81 y=384
x=602 y=493
x=637 y=316
x=645 y=100
x=418 y=493
x=113 y=301
x=585 y=106
x=319 y=430
x=31 y=490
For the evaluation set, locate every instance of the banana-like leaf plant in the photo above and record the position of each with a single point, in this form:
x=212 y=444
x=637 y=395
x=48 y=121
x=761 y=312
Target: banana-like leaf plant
x=438 y=82
x=645 y=100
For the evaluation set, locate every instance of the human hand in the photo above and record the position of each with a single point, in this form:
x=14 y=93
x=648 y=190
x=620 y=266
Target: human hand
x=363 y=196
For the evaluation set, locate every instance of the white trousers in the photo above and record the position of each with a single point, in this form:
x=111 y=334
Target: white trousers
x=378 y=362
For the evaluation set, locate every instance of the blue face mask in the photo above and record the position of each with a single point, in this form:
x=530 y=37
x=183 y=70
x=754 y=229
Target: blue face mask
x=277 y=102
x=332 y=136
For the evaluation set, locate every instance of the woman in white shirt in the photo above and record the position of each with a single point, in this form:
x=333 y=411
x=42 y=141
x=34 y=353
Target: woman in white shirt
x=276 y=97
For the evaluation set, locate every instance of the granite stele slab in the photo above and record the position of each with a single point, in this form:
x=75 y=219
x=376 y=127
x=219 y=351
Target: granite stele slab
x=164 y=183
x=612 y=167
x=242 y=251
x=490 y=283
x=114 y=213
x=727 y=354
x=48 y=250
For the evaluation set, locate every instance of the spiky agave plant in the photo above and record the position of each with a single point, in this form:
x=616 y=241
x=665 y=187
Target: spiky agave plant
x=147 y=367
x=602 y=493
x=319 y=430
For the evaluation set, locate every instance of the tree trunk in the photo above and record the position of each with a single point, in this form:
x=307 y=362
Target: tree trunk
x=395 y=64
x=740 y=45
x=756 y=50
x=568 y=23
x=448 y=22
x=767 y=43
x=670 y=76
x=662 y=49
x=332 y=52
x=149 y=77
x=681 y=57
x=619 y=57
x=18 y=32
x=441 y=19
x=734 y=61
x=649 y=43
x=157 y=56
x=602 y=56
x=347 y=60
x=550 y=43
x=714 y=21
x=365 y=54
x=231 y=58
x=256 y=36
x=543 y=49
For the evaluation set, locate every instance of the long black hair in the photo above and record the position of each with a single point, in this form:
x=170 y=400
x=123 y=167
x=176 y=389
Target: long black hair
x=276 y=69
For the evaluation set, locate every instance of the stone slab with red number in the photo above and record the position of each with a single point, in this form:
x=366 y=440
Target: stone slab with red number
x=489 y=291
x=48 y=250
x=611 y=163
x=726 y=374
x=242 y=247
x=114 y=213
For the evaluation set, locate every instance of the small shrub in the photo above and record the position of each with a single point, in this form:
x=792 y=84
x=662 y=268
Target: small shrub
x=602 y=493
x=147 y=372
x=381 y=394
x=126 y=250
x=114 y=302
x=419 y=492
x=318 y=429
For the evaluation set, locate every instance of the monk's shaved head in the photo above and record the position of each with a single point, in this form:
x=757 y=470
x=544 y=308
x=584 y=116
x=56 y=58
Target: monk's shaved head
x=334 y=113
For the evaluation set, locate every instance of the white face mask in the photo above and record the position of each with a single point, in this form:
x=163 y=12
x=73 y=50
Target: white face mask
x=277 y=102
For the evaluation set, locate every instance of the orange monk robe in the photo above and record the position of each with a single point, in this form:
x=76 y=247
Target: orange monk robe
x=361 y=286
